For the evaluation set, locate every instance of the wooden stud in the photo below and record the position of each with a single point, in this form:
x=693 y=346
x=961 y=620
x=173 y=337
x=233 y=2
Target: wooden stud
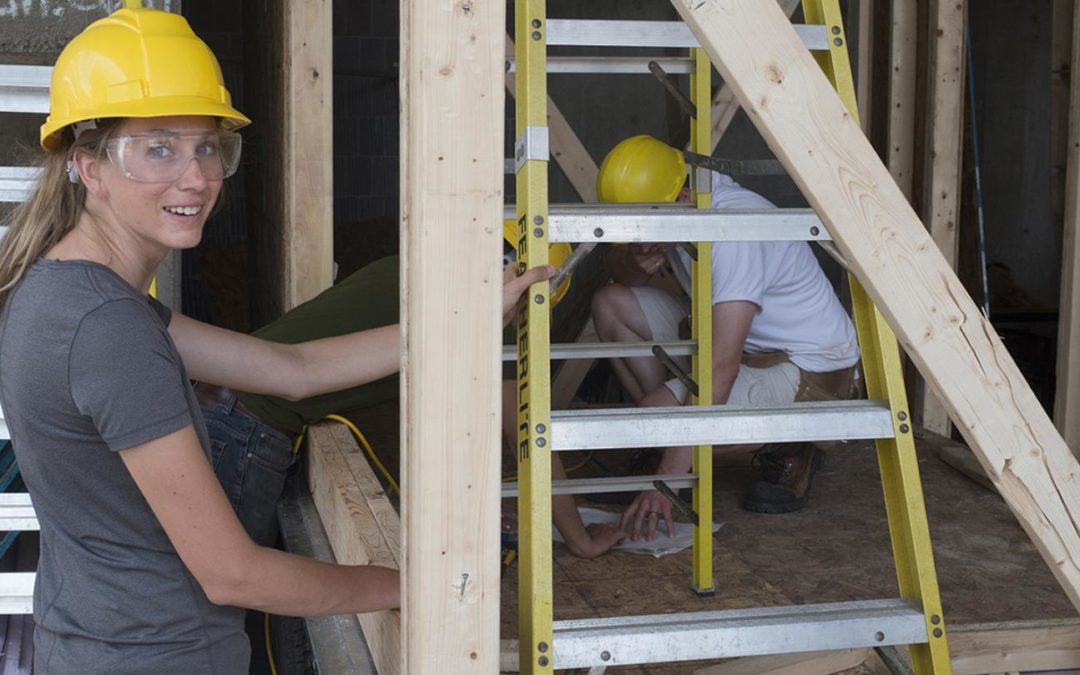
x=944 y=157
x=307 y=158
x=724 y=103
x=361 y=524
x=900 y=129
x=1017 y=646
x=864 y=76
x=1067 y=394
x=452 y=119
x=890 y=252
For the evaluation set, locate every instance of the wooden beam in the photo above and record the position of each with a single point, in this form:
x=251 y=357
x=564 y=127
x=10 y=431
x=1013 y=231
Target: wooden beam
x=452 y=118
x=890 y=252
x=1017 y=646
x=361 y=524
x=307 y=157
x=900 y=129
x=864 y=76
x=724 y=103
x=944 y=156
x=566 y=148
x=1067 y=394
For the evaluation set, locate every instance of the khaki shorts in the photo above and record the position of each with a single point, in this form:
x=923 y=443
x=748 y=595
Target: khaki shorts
x=763 y=378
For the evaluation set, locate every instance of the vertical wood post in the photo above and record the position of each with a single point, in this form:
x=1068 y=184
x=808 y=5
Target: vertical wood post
x=944 y=154
x=1067 y=395
x=452 y=117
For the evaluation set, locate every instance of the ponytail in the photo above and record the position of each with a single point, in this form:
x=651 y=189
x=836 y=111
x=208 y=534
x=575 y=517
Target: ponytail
x=52 y=210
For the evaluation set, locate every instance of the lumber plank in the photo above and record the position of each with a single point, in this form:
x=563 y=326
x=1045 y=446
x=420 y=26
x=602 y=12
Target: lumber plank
x=1067 y=393
x=361 y=524
x=452 y=119
x=566 y=148
x=893 y=256
x=724 y=103
x=806 y=663
x=903 y=68
x=308 y=152
x=864 y=76
x=944 y=129
x=1015 y=646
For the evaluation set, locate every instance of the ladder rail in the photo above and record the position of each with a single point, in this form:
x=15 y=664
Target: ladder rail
x=902 y=486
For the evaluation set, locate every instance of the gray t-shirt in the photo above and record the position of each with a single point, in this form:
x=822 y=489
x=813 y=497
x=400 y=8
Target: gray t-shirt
x=87 y=368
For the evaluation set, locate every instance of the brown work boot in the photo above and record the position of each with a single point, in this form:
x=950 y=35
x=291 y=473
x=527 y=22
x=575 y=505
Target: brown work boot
x=787 y=471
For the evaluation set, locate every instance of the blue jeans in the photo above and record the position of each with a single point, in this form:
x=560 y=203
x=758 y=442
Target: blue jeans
x=251 y=460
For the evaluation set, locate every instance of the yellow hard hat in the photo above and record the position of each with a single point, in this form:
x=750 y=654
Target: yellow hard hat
x=641 y=169
x=136 y=63
x=557 y=255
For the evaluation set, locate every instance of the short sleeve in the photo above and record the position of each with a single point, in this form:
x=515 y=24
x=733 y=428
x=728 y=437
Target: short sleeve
x=738 y=272
x=126 y=376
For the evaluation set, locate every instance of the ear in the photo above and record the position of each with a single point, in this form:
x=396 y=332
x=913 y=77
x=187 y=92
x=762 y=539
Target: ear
x=89 y=171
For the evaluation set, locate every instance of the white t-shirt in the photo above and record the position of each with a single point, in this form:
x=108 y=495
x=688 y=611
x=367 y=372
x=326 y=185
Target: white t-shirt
x=798 y=311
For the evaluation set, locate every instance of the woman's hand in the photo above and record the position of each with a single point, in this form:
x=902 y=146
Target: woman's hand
x=514 y=285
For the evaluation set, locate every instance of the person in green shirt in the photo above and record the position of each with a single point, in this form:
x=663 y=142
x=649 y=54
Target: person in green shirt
x=252 y=434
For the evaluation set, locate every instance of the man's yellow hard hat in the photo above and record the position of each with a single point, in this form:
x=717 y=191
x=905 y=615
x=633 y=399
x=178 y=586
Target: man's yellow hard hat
x=641 y=169
x=136 y=63
x=557 y=255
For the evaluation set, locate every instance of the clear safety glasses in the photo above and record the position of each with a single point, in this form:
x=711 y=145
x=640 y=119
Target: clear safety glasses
x=164 y=156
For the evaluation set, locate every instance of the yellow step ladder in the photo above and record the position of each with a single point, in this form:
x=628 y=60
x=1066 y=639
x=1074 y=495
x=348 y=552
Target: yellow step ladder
x=914 y=619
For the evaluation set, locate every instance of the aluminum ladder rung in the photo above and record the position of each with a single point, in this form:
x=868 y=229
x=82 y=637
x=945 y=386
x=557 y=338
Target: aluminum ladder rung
x=614 y=428
x=24 y=89
x=608 y=350
x=16 y=182
x=585 y=486
x=17 y=592
x=661 y=34
x=17 y=513
x=695 y=636
x=611 y=65
x=664 y=223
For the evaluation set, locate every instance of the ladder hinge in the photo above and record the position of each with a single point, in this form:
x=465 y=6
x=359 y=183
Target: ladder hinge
x=532 y=144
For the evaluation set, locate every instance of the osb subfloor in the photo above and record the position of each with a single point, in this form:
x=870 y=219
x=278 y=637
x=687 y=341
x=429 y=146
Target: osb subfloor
x=836 y=549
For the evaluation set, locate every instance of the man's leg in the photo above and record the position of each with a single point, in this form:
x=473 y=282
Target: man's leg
x=639 y=314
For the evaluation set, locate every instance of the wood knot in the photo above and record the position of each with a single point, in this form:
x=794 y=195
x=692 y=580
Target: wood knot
x=774 y=73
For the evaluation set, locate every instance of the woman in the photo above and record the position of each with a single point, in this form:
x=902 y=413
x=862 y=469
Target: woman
x=143 y=563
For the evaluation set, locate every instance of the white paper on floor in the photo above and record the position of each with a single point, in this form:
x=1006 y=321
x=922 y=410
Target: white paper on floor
x=661 y=545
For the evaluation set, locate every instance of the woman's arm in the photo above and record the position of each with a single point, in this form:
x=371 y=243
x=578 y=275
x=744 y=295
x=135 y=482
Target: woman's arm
x=301 y=370
x=178 y=483
x=291 y=371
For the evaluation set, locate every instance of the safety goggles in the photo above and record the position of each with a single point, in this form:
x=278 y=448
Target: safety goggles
x=164 y=156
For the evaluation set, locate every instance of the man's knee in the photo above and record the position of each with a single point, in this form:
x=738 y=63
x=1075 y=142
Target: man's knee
x=610 y=306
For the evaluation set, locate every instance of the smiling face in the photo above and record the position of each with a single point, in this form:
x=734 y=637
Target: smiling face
x=167 y=214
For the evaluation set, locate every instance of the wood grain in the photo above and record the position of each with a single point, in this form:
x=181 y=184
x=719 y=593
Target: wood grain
x=452 y=123
x=361 y=524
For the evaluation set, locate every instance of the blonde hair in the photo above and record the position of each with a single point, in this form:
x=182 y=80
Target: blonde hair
x=53 y=208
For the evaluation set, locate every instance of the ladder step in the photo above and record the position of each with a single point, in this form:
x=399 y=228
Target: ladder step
x=673 y=34
x=620 y=224
x=664 y=638
x=16 y=182
x=24 y=89
x=585 y=486
x=17 y=513
x=608 y=350
x=614 y=428
x=611 y=65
